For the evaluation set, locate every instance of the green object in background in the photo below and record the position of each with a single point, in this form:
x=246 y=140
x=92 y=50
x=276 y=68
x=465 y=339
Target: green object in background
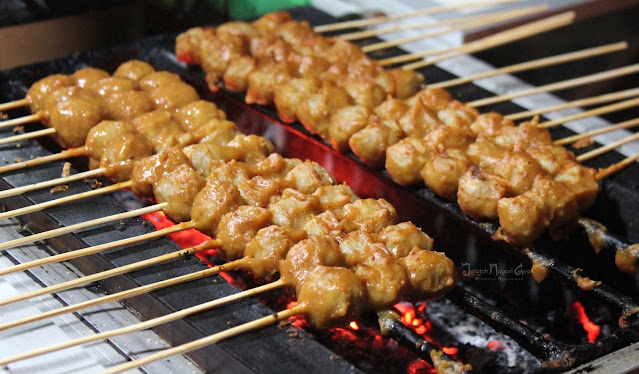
x=245 y=9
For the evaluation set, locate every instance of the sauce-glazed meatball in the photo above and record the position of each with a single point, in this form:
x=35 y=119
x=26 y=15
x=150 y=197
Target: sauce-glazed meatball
x=179 y=189
x=148 y=171
x=86 y=77
x=270 y=246
x=134 y=70
x=120 y=156
x=215 y=200
x=239 y=227
x=40 y=90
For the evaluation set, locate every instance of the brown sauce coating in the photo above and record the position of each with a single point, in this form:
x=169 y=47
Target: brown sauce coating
x=120 y=156
x=73 y=119
x=179 y=189
x=148 y=171
x=127 y=105
x=239 y=227
x=134 y=70
x=40 y=90
x=430 y=273
x=86 y=77
x=306 y=255
x=270 y=246
x=215 y=200
x=172 y=96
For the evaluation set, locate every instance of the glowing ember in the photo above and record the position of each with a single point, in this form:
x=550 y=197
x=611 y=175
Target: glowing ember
x=495 y=346
x=419 y=367
x=409 y=317
x=450 y=350
x=185 y=239
x=591 y=329
x=354 y=325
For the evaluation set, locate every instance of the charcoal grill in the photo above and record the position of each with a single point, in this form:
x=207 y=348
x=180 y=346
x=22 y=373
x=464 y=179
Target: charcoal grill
x=516 y=309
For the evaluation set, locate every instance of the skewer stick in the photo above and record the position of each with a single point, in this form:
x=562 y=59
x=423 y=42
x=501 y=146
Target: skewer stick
x=23 y=120
x=534 y=64
x=455 y=21
x=14 y=104
x=147 y=324
x=28 y=135
x=415 y=13
x=64 y=200
x=484 y=20
x=188 y=347
x=78 y=226
x=609 y=74
x=107 y=273
x=68 y=153
x=603 y=130
x=52 y=183
x=607 y=148
x=98 y=248
x=119 y=295
x=601 y=99
x=605 y=173
x=592 y=112
x=521 y=32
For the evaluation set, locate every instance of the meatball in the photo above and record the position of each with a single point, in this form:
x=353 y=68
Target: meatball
x=479 y=192
x=259 y=190
x=370 y=143
x=172 y=96
x=105 y=133
x=334 y=197
x=289 y=94
x=215 y=131
x=270 y=246
x=490 y=124
x=120 y=156
x=581 y=181
x=63 y=94
x=161 y=130
x=346 y=122
x=485 y=154
x=519 y=169
x=179 y=189
x=127 y=105
x=315 y=111
x=73 y=119
x=457 y=114
x=205 y=158
x=195 y=114
x=369 y=215
x=382 y=276
x=522 y=218
x=156 y=79
x=390 y=109
x=109 y=85
x=551 y=158
x=430 y=273
x=238 y=228
x=88 y=76
x=293 y=208
x=326 y=224
x=215 y=200
x=444 y=137
x=521 y=137
x=401 y=238
x=306 y=255
x=331 y=297
x=148 y=171
x=406 y=159
x=134 y=70
x=408 y=82
x=442 y=171
x=262 y=82
x=418 y=120
x=40 y=90
x=364 y=93
x=252 y=148
x=560 y=200
x=236 y=76
x=435 y=98
x=308 y=177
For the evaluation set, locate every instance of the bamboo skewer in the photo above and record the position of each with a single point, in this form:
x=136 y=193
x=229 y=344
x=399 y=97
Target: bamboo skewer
x=478 y=21
x=532 y=28
x=415 y=13
x=607 y=148
x=184 y=348
x=605 y=173
x=609 y=74
x=78 y=226
x=98 y=248
x=28 y=135
x=605 y=98
x=147 y=324
x=539 y=63
x=14 y=104
x=447 y=22
x=105 y=274
x=52 y=183
x=64 y=200
x=603 y=130
x=37 y=117
x=68 y=153
x=593 y=112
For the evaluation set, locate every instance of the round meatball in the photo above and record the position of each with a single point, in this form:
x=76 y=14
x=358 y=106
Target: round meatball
x=522 y=218
x=68 y=93
x=215 y=200
x=346 y=122
x=406 y=159
x=479 y=192
x=238 y=228
x=127 y=105
x=179 y=189
x=195 y=114
x=120 y=156
x=335 y=197
x=259 y=190
x=73 y=119
x=370 y=143
x=331 y=297
x=105 y=133
x=293 y=208
x=134 y=70
x=110 y=85
x=308 y=177
x=172 y=96
x=442 y=171
x=430 y=273
x=270 y=246
x=156 y=79
x=401 y=238
x=519 y=169
x=306 y=255
x=86 y=77
x=148 y=171
x=369 y=215
x=40 y=90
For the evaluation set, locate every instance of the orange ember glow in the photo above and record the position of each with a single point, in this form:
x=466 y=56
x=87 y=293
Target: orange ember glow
x=450 y=350
x=591 y=329
x=185 y=239
x=354 y=325
x=495 y=346
x=419 y=367
x=409 y=317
